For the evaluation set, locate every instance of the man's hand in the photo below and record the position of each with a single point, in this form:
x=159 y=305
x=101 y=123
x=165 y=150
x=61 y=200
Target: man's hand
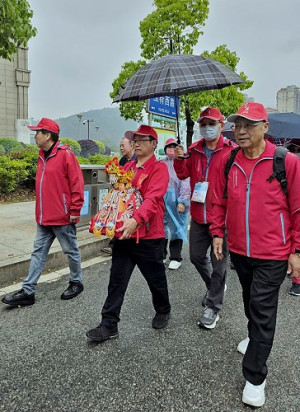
x=129 y=226
x=73 y=219
x=294 y=265
x=180 y=208
x=217 y=245
x=179 y=151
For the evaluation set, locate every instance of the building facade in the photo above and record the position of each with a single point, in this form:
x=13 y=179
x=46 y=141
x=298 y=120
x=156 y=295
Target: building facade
x=14 y=84
x=288 y=99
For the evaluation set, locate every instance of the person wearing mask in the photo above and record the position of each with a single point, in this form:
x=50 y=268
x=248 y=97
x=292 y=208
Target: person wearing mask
x=177 y=201
x=146 y=252
x=263 y=227
x=201 y=166
x=59 y=198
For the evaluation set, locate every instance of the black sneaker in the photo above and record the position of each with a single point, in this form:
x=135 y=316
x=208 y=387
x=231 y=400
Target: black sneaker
x=295 y=289
x=72 y=290
x=160 y=320
x=209 y=318
x=101 y=333
x=20 y=298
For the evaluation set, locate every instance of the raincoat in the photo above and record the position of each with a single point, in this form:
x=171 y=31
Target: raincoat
x=178 y=191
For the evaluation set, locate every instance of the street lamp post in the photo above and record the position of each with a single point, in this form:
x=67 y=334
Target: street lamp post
x=79 y=118
x=97 y=130
x=88 y=121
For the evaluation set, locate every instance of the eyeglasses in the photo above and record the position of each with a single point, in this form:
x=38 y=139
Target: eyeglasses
x=141 y=141
x=247 y=126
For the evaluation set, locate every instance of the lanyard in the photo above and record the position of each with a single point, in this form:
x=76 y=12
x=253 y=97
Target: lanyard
x=209 y=160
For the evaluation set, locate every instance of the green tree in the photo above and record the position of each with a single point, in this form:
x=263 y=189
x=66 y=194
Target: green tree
x=15 y=26
x=129 y=110
x=180 y=21
x=174 y=22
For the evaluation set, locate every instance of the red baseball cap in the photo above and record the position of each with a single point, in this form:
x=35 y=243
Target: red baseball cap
x=251 y=111
x=46 y=124
x=171 y=141
x=143 y=130
x=211 y=113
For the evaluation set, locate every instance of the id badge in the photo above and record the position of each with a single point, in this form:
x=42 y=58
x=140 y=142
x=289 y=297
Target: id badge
x=200 y=191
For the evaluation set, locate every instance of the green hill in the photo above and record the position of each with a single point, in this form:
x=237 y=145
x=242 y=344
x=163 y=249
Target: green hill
x=111 y=126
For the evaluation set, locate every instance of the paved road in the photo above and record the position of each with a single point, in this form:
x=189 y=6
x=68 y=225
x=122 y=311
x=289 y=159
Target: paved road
x=47 y=364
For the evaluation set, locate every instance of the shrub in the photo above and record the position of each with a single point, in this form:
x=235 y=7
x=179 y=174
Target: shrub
x=32 y=148
x=83 y=160
x=12 y=173
x=99 y=159
x=88 y=148
x=2 y=151
x=74 y=145
x=101 y=146
x=11 y=144
x=107 y=150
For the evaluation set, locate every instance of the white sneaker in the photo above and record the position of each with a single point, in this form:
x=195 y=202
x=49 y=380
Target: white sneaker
x=254 y=395
x=242 y=346
x=174 y=265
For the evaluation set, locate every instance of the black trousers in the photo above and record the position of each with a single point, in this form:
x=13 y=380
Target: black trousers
x=212 y=271
x=260 y=280
x=148 y=256
x=175 y=248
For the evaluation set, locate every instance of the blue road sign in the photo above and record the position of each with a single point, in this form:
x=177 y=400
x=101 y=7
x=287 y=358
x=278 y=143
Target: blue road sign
x=164 y=106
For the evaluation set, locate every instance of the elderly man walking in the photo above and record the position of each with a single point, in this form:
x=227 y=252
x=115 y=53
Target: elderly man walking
x=263 y=233
x=151 y=178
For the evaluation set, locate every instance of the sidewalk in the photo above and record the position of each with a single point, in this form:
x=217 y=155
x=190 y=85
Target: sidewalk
x=18 y=227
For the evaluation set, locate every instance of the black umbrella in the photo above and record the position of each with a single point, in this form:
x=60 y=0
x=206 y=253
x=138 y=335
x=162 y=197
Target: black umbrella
x=175 y=75
x=284 y=125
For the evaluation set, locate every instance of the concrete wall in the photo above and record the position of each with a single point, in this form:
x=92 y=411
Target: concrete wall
x=14 y=84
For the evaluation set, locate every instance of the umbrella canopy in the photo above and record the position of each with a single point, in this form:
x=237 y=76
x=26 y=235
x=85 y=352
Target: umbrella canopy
x=177 y=74
x=284 y=125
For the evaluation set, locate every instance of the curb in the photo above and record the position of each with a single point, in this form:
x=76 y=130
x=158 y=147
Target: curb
x=17 y=270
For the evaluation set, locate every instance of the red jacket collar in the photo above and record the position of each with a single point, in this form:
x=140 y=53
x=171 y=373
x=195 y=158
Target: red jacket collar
x=268 y=152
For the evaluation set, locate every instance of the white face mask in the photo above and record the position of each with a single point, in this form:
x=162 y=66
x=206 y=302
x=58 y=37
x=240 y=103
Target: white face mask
x=209 y=132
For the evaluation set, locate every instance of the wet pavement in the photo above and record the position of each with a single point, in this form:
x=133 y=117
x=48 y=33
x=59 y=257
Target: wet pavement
x=48 y=364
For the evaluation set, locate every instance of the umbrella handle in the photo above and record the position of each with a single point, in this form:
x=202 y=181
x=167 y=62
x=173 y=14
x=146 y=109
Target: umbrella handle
x=184 y=157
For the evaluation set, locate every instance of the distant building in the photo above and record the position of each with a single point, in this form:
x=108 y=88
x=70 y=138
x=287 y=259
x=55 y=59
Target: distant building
x=288 y=99
x=14 y=84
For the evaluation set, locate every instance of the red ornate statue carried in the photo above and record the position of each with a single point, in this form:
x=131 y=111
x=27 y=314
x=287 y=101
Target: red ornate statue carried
x=120 y=203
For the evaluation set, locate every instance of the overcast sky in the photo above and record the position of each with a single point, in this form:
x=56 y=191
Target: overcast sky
x=81 y=46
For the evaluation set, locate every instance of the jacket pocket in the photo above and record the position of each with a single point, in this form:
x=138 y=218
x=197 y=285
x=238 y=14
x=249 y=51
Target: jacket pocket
x=282 y=229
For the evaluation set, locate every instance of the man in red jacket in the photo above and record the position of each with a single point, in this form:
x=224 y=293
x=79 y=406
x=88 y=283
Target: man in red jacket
x=202 y=167
x=263 y=228
x=59 y=198
x=151 y=178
